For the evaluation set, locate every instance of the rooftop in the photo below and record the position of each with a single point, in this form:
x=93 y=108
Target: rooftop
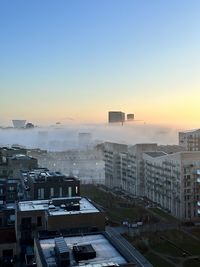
x=43 y=175
x=191 y=131
x=21 y=157
x=59 y=206
x=106 y=253
x=156 y=154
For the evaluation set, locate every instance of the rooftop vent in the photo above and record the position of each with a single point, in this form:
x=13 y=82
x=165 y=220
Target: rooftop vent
x=84 y=252
x=51 y=207
x=62 y=252
x=73 y=207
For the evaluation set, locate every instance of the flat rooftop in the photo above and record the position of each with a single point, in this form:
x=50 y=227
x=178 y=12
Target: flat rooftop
x=106 y=253
x=21 y=157
x=155 y=154
x=44 y=175
x=56 y=209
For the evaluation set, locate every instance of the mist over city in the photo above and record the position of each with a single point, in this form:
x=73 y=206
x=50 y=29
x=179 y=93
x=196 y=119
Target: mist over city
x=67 y=137
x=99 y=133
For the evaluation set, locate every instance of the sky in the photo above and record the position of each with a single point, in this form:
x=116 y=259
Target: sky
x=73 y=61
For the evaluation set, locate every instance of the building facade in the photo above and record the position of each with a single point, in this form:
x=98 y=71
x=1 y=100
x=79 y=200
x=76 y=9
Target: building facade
x=190 y=140
x=41 y=183
x=124 y=166
x=71 y=215
x=172 y=181
x=116 y=116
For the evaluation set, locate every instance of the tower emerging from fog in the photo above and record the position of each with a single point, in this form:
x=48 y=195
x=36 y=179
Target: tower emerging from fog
x=19 y=123
x=130 y=117
x=116 y=116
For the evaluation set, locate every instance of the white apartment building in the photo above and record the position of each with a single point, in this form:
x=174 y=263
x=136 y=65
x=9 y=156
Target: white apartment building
x=173 y=182
x=124 y=166
x=190 y=140
x=170 y=180
x=112 y=157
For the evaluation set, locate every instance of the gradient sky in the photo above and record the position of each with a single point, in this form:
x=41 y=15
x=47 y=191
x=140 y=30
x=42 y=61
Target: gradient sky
x=75 y=60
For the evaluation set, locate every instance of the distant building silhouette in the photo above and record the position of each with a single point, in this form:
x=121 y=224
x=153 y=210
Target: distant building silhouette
x=116 y=116
x=19 y=123
x=130 y=117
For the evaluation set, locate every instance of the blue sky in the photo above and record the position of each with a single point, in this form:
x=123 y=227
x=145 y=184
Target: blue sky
x=82 y=58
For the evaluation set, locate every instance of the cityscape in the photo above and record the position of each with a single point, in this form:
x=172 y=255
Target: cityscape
x=99 y=133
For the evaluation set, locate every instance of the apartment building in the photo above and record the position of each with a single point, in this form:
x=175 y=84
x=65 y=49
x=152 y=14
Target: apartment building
x=190 y=140
x=41 y=183
x=173 y=182
x=13 y=160
x=124 y=166
x=12 y=151
x=88 y=164
x=112 y=157
x=9 y=189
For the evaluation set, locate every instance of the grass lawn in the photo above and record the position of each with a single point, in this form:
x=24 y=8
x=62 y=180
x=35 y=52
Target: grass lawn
x=165 y=215
x=157 y=261
x=191 y=263
x=115 y=207
x=179 y=238
x=196 y=232
x=118 y=210
x=166 y=248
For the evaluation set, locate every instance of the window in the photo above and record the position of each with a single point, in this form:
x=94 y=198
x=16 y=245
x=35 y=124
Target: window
x=51 y=192
x=4 y=172
x=40 y=193
x=60 y=191
x=11 y=188
x=7 y=253
x=11 y=219
x=76 y=190
x=69 y=191
x=39 y=221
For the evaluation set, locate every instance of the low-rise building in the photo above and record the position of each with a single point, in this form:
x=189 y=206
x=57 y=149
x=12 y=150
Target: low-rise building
x=97 y=249
x=41 y=183
x=14 y=160
x=70 y=215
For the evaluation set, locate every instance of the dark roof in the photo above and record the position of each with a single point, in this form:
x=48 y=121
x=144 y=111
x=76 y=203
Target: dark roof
x=155 y=154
